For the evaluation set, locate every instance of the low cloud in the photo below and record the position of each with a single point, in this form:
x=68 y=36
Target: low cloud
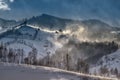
x=11 y=0
x=4 y=4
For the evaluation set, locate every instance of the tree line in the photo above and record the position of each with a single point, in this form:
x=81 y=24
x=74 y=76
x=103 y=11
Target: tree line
x=17 y=55
x=64 y=61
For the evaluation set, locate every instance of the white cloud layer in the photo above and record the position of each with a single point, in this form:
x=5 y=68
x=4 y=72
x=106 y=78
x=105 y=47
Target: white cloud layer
x=4 y=4
x=11 y=0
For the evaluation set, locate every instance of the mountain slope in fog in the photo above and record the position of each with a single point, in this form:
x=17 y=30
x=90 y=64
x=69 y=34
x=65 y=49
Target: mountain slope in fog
x=89 y=40
x=91 y=29
x=85 y=29
x=57 y=31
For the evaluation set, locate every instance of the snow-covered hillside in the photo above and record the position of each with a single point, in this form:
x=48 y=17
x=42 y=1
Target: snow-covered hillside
x=29 y=37
x=111 y=61
x=82 y=46
x=7 y=23
x=26 y=72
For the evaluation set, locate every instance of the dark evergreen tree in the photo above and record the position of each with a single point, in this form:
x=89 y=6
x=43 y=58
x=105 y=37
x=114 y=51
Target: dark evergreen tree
x=26 y=60
x=116 y=71
x=82 y=66
x=67 y=61
x=1 y=50
x=104 y=70
x=48 y=59
x=10 y=55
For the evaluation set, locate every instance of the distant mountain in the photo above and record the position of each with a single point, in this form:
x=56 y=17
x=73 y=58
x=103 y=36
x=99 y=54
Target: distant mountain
x=49 y=21
x=57 y=22
x=92 y=29
x=53 y=22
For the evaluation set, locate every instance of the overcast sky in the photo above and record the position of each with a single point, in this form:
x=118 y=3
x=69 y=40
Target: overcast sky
x=106 y=10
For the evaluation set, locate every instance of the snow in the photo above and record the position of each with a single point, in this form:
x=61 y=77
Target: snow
x=10 y=71
x=44 y=37
x=27 y=47
x=43 y=29
x=44 y=41
x=111 y=61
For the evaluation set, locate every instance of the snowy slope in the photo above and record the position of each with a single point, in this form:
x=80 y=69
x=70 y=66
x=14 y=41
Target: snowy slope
x=29 y=37
x=111 y=61
x=26 y=72
x=5 y=24
x=44 y=35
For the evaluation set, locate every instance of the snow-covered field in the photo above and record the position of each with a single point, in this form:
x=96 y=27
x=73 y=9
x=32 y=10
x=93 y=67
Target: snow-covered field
x=10 y=71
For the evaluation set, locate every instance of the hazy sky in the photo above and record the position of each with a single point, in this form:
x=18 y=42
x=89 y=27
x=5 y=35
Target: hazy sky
x=106 y=10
